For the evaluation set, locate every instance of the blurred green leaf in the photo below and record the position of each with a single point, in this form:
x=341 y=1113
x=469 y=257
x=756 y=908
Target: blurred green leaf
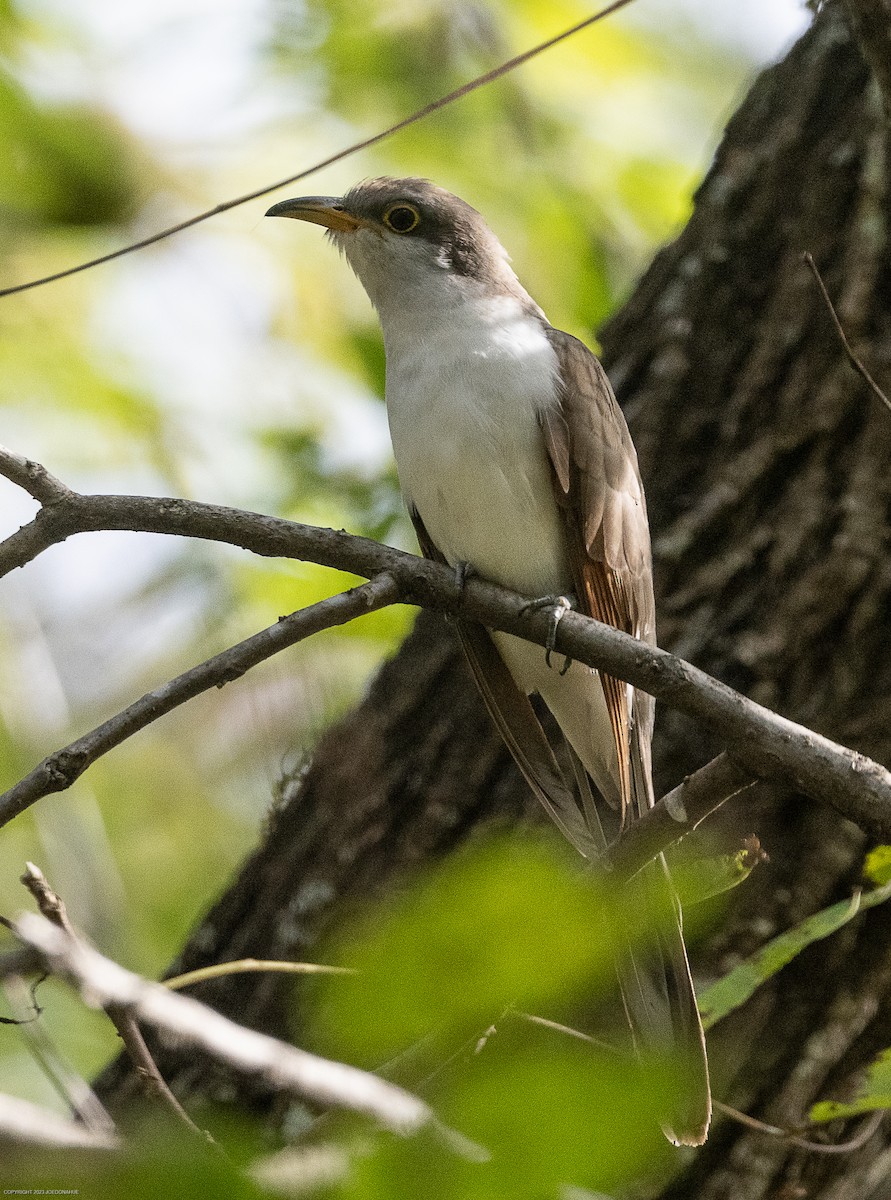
x=496 y=925
x=736 y=988
x=877 y=867
x=700 y=879
x=550 y=1113
x=159 y=1163
x=64 y=165
x=874 y=1093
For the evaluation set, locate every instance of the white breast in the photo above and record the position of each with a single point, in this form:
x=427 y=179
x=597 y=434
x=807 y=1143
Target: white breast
x=463 y=404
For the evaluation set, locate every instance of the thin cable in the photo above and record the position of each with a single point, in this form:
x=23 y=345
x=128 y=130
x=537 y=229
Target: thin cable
x=434 y=106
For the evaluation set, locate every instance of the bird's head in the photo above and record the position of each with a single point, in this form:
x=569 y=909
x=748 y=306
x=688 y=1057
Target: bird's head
x=414 y=246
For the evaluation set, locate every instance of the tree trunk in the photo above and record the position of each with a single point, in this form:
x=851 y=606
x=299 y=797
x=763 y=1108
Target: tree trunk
x=766 y=461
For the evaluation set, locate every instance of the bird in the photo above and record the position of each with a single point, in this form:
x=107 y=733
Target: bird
x=516 y=463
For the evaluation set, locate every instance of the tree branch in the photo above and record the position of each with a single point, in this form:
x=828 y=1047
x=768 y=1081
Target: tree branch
x=33 y=477
x=60 y=770
x=678 y=813
x=286 y=1069
x=30 y=1125
x=52 y=907
x=765 y=744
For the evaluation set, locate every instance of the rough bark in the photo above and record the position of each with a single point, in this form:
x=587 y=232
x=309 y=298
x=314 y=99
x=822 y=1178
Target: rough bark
x=766 y=463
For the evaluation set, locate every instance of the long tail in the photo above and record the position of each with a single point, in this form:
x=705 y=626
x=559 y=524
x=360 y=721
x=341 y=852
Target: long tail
x=656 y=986
x=657 y=989
x=660 y=1004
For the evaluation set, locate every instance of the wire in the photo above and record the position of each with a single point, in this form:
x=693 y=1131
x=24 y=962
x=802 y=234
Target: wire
x=434 y=106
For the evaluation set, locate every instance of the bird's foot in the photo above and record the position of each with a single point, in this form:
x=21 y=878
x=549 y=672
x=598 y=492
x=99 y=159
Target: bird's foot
x=559 y=606
x=463 y=572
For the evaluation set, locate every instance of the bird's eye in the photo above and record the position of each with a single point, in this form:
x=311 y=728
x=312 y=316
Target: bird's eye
x=402 y=218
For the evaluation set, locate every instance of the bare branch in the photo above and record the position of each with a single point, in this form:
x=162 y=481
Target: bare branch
x=33 y=477
x=767 y=745
x=104 y=983
x=52 y=906
x=855 y=362
x=428 y=109
x=244 y=966
x=49 y=902
x=74 y=1090
x=270 y=537
x=861 y=1137
x=60 y=770
x=28 y=1124
x=678 y=813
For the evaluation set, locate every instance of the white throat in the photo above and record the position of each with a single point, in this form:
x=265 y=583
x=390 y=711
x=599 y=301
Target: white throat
x=412 y=285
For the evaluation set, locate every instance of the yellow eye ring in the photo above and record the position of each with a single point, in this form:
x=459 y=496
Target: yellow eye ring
x=402 y=217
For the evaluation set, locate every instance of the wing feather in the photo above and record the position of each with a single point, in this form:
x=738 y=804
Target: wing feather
x=598 y=488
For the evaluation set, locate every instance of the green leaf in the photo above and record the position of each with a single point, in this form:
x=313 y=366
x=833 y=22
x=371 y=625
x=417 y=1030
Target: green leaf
x=66 y=165
x=877 y=867
x=550 y=1113
x=875 y=1092
x=704 y=878
x=158 y=1162
x=736 y=988
x=496 y=925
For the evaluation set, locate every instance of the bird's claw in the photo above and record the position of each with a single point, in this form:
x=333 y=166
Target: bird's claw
x=559 y=606
x=463 y=571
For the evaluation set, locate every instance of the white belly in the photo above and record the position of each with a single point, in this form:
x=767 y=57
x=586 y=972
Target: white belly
x=472 y=462
x=470 y=453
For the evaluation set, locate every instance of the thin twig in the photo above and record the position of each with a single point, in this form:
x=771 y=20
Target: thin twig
x=60 y=770
x=428 y=109
x=49 y=902
x=794 y=1137
x=52 y=906
x=243 y=966
x=856 y=363
x=568 y=1031
x=30 y=1125
x=280 y=1066
x=74 y=1091
x=148 y=1071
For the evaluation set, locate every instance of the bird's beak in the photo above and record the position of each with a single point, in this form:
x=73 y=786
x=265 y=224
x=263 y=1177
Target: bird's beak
x=320 y=210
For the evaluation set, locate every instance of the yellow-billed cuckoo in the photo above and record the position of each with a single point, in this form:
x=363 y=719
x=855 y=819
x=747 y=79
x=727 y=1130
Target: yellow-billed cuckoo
x=515 y=461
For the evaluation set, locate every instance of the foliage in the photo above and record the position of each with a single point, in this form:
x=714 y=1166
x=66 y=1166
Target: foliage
x=728 y=993
x=445 y=975
x=874 y=1093
x=238 y=363
x=875 y=1089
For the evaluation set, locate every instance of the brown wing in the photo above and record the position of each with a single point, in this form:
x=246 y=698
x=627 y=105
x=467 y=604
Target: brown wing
x=598 y=488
